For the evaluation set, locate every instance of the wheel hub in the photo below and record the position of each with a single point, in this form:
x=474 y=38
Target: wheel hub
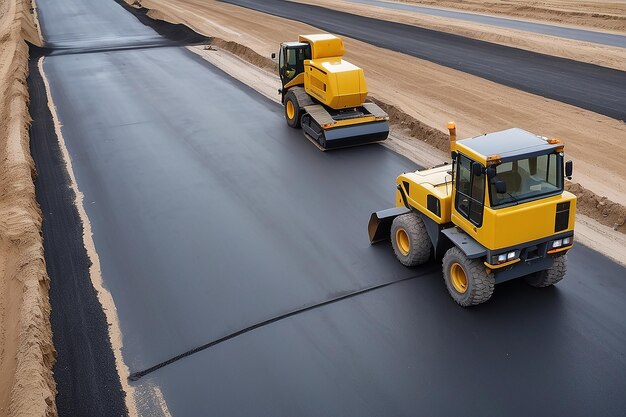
x=458 y=278
x=291 y=111
x=403 y=242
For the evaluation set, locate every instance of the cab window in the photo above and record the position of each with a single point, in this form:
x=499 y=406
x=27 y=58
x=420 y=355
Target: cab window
x=291 y=61
x=528 y=179
x=470 y=191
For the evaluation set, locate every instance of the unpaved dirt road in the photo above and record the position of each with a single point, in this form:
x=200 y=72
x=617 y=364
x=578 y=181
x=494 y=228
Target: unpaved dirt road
x=210 y=215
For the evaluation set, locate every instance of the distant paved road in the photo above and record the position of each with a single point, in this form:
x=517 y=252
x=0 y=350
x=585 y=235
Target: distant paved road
x=542 y=28
x=599 y=89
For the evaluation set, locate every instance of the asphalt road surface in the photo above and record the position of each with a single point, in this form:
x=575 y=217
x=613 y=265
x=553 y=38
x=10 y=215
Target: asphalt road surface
x=599 y=89
x=210 y=215
x=610 y=39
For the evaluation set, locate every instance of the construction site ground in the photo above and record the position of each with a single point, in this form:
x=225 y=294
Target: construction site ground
x=205 y=259
x=425 y=96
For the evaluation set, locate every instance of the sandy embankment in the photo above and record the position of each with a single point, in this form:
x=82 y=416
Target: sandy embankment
x=607 y=56
x=26 y=351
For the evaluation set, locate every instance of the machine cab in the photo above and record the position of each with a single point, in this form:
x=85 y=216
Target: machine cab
x=514 y=181
x=506 y=184
x=291 y=60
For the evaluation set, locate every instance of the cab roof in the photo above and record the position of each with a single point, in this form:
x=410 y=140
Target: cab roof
x=323 y=45
x=507 y=144
x=294 y=44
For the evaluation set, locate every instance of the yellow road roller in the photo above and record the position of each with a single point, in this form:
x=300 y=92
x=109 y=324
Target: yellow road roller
x=325 y=95
x=497 y=213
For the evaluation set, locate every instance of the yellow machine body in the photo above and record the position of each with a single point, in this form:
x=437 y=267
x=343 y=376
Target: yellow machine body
x=329 y=78
x=498 y=212
x=504 y=227
x=501 y=228
x=325 y=95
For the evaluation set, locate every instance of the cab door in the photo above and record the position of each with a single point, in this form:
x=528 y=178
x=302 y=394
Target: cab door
x=291 y=61
x=469 y=197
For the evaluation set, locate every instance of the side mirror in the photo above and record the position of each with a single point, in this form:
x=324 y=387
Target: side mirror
x=477 y=169
x=491 y=173
x=500 y=187
x=453 y=155
x=273 y=55
x=569 y=169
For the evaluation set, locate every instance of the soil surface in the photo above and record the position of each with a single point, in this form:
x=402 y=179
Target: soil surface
x=26 y=351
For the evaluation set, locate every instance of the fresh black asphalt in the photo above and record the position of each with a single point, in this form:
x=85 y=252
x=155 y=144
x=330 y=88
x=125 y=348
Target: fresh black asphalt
x=578 y=34
x=86 y=379
x=210 y=215
x=599 y=89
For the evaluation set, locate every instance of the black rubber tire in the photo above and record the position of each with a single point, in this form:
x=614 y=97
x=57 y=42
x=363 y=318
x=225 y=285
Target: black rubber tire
x=420 y=246
x=297 y=117
x=480 y=282
x=550 y=276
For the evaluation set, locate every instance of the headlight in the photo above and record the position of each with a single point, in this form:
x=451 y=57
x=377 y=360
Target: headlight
x=504 y=257
x=566 y=241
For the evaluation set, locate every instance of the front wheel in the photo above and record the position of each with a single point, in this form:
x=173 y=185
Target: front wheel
x=410 y=240
x=293 y=113
x=551 y=275
x=468 y=281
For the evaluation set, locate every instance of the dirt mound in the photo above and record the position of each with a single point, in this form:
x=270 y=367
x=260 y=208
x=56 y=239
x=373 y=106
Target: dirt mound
x=246 y=53
x=599 y=208
x=415 y=128
x=26 y=351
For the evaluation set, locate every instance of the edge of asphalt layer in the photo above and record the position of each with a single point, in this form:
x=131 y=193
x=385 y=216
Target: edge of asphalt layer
x=85 y=371
x=175 y=32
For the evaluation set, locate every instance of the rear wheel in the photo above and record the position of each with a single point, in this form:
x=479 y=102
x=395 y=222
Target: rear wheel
x=410 y=240
x=551 y=275
x=468 y=281
x=293 y=113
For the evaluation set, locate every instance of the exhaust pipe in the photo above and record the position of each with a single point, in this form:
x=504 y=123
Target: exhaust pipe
x=452 y=129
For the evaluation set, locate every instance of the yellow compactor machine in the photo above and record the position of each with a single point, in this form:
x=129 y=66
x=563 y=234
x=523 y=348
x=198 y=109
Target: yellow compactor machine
x=499 y=212
x=325 y=95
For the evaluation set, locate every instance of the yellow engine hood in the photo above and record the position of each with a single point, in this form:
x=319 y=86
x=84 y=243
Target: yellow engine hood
x=527 y=222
